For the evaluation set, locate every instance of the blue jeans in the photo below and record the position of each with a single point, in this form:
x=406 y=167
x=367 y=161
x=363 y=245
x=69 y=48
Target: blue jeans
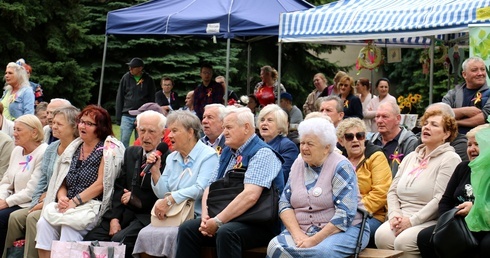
x=127 y=127
x=230 y=239
x=373 y=226
x=342 y=244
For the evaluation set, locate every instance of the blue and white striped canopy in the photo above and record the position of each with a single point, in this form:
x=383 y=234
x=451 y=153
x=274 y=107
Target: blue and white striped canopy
x=390 y=22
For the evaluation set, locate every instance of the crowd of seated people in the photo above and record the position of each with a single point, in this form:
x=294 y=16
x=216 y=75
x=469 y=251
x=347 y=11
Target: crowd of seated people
x=338 y=170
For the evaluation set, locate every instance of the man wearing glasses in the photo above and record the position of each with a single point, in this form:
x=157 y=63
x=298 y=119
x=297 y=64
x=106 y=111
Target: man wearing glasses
x=207 y=92
x=135 y=89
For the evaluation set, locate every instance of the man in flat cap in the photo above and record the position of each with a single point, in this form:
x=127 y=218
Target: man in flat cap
x=135 y=89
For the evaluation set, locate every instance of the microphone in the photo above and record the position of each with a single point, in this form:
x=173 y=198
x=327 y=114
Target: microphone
x=161 y=148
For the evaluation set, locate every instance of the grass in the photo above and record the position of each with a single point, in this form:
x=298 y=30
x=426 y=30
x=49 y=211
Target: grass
x=117 y=132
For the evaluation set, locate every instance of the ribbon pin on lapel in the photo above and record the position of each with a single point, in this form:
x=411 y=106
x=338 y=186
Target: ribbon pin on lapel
x=26 y=163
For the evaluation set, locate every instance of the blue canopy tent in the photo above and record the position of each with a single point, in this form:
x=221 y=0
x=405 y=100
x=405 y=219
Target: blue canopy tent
x=248 y=20
x=389 y=22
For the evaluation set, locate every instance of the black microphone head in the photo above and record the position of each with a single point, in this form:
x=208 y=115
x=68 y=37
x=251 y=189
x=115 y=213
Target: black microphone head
x=162 y=147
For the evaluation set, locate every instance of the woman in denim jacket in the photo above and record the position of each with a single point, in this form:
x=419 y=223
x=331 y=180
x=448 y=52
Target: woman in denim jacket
x=18 y=97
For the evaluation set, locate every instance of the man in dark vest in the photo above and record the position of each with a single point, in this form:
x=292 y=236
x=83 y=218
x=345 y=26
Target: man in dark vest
x=127 y=217
x=245 y=149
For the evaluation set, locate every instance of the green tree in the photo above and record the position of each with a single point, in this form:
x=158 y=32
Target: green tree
x=64 y=45
x=408 y=77
x=54 y=41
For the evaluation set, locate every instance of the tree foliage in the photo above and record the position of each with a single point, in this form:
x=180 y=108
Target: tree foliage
x=407 y=77
x=64 y=44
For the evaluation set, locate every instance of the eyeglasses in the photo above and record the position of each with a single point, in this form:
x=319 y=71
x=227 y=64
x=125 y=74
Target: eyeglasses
x=86 y=123
x=350 y=136
x=343 y=85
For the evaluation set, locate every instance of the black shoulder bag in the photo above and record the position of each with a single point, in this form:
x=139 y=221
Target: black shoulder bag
x=224 y=190
x=451 y=236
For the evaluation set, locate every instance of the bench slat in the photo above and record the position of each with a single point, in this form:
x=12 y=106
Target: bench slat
x=210 y=252
x=379 y=253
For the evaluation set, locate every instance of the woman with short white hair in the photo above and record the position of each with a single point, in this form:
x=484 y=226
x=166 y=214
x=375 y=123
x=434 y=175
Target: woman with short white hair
x=273 y=128
x=319 y=203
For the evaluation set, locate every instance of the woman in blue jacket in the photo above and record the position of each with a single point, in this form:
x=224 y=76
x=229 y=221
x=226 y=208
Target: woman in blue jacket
x=273 y=128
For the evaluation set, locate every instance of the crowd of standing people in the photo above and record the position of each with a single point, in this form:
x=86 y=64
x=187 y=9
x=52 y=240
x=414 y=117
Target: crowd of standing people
x=64 y=176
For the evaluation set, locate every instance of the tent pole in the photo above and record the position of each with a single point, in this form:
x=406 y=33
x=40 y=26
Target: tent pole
x=249 y=50
x=431 y=56
x=279 y=60
x=102 y=72
x=228 y=43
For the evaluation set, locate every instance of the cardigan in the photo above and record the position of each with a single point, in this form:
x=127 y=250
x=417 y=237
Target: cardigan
x=21 y=178
x=324 y=209
x=113 y=154
x=6 y=147
x=288 y=150
x=47 y=167
x=187 y=181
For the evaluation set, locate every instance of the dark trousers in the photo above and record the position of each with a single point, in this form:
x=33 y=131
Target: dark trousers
x=423 y=242
x=230 y=240
x=127 y=235
x=427 y=249
x=4 y=223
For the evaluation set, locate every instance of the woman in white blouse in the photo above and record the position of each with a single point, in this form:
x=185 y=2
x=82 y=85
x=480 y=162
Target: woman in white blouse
x=21 y=178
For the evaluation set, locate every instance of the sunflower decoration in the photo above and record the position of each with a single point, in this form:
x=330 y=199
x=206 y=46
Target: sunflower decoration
x=407 y=103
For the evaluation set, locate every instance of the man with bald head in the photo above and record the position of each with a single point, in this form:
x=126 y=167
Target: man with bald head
x=52 y=106
x=470 y=100
x=396 y=141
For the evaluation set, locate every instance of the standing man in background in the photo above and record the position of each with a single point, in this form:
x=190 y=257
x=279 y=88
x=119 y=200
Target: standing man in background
x=135 y=89
x=207 y=92
x=470 y=100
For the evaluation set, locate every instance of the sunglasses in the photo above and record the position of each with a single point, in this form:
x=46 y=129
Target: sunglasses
x=350 y=136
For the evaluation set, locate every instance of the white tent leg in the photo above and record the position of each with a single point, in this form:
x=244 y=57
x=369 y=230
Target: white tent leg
x=431 y=78
x=99 y=100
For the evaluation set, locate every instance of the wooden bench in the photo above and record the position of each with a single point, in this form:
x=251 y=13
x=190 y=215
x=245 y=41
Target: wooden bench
x=379 y=253
x=260 y=252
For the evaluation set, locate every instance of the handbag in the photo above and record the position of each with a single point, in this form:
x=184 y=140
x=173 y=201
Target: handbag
x=224 y=190
x=451 y=236
x=87 y=249
x=178 y=214
x=17 y=249
x=77 y=218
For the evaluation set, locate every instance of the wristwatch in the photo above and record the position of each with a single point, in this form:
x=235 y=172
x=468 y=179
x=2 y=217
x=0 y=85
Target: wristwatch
x=218 y=222
x=169 y=203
